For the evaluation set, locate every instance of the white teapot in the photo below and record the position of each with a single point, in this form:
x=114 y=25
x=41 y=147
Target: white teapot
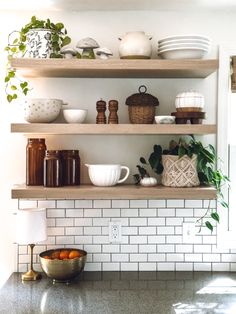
x=135 y=45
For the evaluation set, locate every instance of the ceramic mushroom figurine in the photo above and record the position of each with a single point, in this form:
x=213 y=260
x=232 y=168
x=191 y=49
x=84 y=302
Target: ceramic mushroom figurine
x=87 y=44
x=104 y=53
x=68 y=52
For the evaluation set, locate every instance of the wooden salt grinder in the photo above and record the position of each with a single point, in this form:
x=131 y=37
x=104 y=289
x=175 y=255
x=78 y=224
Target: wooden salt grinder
x=101 y=108
x=113 y=108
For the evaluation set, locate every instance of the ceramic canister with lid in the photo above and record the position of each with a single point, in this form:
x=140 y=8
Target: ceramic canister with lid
x=190 y=101
x=35 y=152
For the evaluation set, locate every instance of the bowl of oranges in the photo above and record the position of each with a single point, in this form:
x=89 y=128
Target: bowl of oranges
x=63 y=265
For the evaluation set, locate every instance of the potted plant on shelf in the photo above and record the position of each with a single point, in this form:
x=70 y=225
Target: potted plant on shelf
x=184 y=165
x=36 y=39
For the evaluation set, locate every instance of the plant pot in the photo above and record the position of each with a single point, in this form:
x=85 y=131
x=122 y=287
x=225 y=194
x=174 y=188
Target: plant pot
x=180 y=172
x=39 y=43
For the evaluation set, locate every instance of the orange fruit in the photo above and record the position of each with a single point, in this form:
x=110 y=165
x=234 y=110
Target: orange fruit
x=64 y=254
x=74 y=254
x=55 y=255
x=46 y=257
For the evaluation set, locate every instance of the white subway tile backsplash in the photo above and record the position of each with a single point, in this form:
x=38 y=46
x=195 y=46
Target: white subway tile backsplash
x=151 y=235
x=138 y=239
x=120 y=203
x=74 y=230
x=129 y=212
x=138 y=203
x=120 y=257
x=166 y=212
x=147 y=266
x=147 y=248
x=212 y=203
x=156 y=239
x=175 y=203
x=193 y=203
x=147 y=212
x=92 y=212
x=156 y=221
x=111 y=212
x=138 y=221
x=55 y=213
x=46 y=204
x=147 y=230
x=83 y=221
x=64 y=222
x=184 y=212
x=102 y=204
x=131 y=248
x=66 y=204
x=156 y=257
x=101 y=257
x=156 y=203
x=77 y=212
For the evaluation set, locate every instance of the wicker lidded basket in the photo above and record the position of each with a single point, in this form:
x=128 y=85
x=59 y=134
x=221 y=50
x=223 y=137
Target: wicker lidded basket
x=142 y=107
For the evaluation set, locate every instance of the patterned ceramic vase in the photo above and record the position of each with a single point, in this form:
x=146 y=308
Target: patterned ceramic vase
x=39 y=43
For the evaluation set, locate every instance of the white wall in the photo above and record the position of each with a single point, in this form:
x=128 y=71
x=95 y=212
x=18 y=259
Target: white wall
x=105 y=27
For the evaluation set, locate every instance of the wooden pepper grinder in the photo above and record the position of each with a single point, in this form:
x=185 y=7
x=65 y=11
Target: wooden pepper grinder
x=113 y=108
x=101 y=108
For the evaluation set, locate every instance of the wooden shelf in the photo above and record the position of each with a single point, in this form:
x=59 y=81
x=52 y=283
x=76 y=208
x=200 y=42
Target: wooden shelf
x=112 y=129
x=115 y=192
x=115 y=68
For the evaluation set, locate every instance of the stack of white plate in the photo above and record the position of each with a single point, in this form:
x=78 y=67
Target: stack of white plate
x=184 y=47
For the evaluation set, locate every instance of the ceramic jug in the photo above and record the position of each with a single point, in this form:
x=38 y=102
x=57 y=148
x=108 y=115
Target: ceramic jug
x=135 y=45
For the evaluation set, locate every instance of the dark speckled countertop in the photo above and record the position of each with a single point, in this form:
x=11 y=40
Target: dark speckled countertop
x=123 y=292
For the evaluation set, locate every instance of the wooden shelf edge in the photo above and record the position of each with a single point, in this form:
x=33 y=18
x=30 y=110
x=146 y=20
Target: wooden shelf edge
x=114 y=129
x=115 y=192
x=116 y=68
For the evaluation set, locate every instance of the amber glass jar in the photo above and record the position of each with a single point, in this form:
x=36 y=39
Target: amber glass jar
x=35 y=152
x=52 y=168
x=71 y=167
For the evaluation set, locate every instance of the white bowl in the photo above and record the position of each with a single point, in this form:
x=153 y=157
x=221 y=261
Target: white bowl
x=106 y=175
x=165 y=119
x=184 y=37
x=75 y=115
x=41 y=110
x=183 y=53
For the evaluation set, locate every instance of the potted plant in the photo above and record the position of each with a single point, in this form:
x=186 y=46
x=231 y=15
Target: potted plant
x=205 y=160
x=36 y=39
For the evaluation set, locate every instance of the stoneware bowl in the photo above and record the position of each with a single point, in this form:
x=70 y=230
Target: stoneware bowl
x=62 y=270
x=165 y=119
x=106 y=175
x=41 y=110
x=75 y=115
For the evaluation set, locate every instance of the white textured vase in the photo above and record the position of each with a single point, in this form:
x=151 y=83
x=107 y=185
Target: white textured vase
x=39 y=43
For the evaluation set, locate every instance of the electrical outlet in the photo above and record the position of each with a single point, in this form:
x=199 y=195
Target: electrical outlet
x=189 y=232
x=115 y=235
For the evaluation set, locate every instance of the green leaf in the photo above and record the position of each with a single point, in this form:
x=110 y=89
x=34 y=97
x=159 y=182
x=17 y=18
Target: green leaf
x=142 y=171
x=224 y=204
x=23 y=85
x=215 y=216
x=25 y=91
x=209 y=225
x=59 y=26
x=181 y=151
x=157 y=149
x=14 y=96
x=142 y=160
x=15 y=41
x=7 y=79
x=159 y=169
x=33 y=19
x=136 y=178
x=66 y=41
x=9 y=98
x=11 y=74
x=13 y=87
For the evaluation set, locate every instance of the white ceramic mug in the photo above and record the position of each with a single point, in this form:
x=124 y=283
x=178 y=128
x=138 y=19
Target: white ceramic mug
x=106 y=175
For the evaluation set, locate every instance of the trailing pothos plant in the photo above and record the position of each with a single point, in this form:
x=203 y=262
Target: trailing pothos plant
x=208 y=173
x=16 y=48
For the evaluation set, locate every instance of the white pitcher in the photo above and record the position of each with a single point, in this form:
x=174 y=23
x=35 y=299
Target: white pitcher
x=135 y=45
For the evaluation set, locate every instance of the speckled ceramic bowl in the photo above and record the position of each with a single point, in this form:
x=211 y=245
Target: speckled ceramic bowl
x=41 y=110
x=62 y=270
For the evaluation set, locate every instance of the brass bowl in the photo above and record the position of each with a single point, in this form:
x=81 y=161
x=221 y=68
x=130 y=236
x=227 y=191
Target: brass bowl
x=62 y=270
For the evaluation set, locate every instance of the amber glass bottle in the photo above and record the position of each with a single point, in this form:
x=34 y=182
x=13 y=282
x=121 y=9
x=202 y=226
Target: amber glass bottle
x=71 y=167
x=35 y=152
x=52 y=168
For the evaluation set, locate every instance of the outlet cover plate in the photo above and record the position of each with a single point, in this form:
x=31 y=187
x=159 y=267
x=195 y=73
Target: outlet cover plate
x=189 y=232
x=115 y=235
